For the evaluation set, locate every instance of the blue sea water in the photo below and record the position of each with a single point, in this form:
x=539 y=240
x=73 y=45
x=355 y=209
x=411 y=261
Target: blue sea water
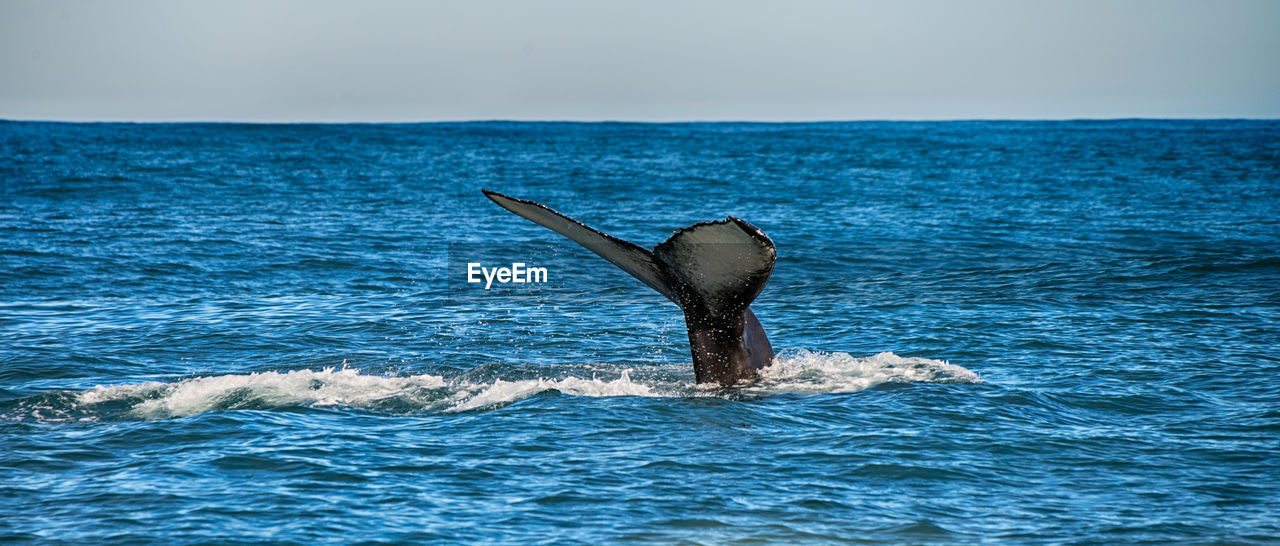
x=988 y=331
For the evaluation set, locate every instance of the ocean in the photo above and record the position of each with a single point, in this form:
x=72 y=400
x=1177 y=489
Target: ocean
x=996 y=331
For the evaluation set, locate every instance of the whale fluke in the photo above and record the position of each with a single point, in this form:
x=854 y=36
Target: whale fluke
x=725 y=264
x=627 y=256
x=712 y=270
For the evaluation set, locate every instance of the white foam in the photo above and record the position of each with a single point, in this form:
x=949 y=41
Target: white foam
x=500 y=392
x=796 y=371
x=801 y=371
x=328 y=387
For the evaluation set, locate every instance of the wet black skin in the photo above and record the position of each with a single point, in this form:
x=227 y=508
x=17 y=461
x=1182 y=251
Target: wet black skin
x=724 y=351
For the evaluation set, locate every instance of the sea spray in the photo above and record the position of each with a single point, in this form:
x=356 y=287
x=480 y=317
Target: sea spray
x=793 y=371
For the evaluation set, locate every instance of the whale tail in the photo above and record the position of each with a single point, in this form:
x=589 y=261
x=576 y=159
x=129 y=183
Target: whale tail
x=627 y=256
x=720 y=265
x=712 y=270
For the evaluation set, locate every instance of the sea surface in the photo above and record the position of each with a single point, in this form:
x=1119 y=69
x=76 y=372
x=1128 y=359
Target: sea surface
x=1023 y=332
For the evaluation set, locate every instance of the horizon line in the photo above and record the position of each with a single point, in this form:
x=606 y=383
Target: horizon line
x=633 y=121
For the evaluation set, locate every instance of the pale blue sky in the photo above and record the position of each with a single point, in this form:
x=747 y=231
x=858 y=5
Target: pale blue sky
x=384 y=60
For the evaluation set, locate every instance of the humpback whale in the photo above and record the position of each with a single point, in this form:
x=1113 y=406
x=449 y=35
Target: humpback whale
x=712 y=270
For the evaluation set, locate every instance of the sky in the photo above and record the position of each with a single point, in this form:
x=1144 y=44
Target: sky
x=642 y=60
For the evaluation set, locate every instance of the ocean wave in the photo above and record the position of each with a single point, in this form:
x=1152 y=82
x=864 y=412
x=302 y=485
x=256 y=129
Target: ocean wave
x=327 y=387
x=802 y=371
x=795 y=371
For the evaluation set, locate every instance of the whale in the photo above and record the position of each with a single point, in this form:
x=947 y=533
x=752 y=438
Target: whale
x=712 y=270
